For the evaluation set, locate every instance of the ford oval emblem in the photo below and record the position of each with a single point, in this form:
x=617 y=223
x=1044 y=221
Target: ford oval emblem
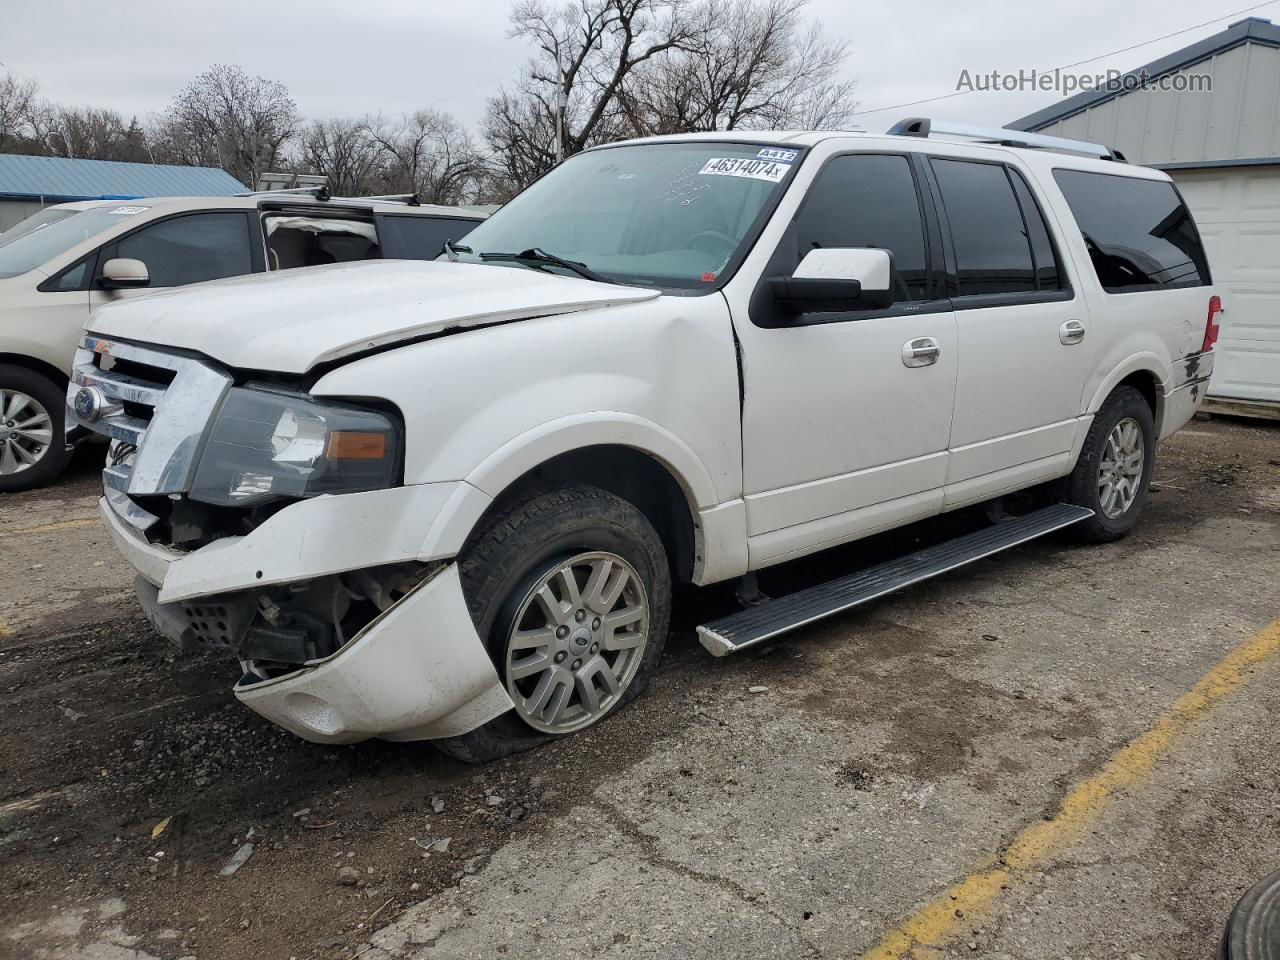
x=88 y=403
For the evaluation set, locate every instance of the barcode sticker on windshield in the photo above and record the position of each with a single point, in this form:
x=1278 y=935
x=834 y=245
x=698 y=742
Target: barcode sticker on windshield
x=745 y=167
x=127 y=211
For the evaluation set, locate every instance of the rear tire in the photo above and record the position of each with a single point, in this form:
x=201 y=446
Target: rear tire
x=33 y=448
x=570 y=591
x=1114 y=469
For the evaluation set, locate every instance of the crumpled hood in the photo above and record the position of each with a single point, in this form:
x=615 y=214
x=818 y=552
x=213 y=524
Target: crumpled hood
x=289 y=321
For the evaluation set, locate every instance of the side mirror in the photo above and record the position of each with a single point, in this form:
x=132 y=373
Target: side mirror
x=838 y=278
x=122 y=273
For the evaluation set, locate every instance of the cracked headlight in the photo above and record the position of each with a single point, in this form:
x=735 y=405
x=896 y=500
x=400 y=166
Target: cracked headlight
x=265 y=445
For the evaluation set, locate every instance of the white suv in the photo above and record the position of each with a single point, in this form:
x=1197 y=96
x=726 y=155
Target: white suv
x=63 y=261
x=448 y=500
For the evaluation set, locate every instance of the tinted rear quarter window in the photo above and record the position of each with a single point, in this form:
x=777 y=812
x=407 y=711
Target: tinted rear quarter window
x=1139 y=233
x=419 y=237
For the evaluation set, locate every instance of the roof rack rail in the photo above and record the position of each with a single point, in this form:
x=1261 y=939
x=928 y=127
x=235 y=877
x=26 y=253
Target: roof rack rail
x=924 y=127
x=412 y=199
x=320 y=192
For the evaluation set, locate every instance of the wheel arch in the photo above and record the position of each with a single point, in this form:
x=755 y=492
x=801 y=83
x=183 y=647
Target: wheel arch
x=35 y=365
x=624 y=455
x=1145 y=371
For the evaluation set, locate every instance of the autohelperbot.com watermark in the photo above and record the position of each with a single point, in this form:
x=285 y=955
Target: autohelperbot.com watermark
x=1065 y=83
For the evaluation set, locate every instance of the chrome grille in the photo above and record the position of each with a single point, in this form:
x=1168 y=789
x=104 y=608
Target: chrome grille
x=159 y=404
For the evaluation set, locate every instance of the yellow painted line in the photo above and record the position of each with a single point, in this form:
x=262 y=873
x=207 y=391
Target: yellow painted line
x=5 y=629
x=51 y=527
x=954 y=913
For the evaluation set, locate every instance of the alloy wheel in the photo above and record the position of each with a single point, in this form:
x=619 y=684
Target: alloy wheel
x=26 y=431
x=577 y=639
x=1120 y=470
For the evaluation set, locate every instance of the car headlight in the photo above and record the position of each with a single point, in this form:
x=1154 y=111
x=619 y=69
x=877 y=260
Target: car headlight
x=266 y=445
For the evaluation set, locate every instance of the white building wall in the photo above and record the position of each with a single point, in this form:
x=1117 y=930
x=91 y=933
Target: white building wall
x=1238 y=212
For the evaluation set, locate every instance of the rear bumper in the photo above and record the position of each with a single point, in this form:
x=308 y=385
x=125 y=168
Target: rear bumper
x=1182 y=395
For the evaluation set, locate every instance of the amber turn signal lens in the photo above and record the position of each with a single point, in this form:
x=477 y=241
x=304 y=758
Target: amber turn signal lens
x=353 y=445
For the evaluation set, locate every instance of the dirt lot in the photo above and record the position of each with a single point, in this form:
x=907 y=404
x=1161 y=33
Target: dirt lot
x=1003 y=762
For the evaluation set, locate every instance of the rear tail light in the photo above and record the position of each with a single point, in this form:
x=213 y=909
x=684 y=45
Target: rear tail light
x=1211 y=326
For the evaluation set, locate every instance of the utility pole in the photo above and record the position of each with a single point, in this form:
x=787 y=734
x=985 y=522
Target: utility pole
x=562 y=103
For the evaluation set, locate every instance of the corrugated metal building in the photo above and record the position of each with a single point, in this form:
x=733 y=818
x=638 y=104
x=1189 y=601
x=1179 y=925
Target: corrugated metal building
x=29 y=183
x=1222 y=147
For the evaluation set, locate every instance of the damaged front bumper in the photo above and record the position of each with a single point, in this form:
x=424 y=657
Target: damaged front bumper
x=417 y=670
x=345 y=611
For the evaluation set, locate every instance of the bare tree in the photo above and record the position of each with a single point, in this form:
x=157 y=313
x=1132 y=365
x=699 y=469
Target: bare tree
x=753 y=63
x=520 y=131
x=17 y=97
x=640 y=67
x=227 y=118
x=343 y=151
x=88 y=133
x=428 y=153
x=585 y=51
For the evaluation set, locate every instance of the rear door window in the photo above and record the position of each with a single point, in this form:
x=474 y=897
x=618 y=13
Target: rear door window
x=190 y=249
x=416 y=237
x=992 y=248
x=299 y=240
x=1139 y=233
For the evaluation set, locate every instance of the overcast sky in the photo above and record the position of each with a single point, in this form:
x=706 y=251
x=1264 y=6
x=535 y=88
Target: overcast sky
x=340 y=57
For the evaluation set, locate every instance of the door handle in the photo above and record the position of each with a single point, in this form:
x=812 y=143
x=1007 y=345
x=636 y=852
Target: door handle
x=920 y=352
x=1071 y=332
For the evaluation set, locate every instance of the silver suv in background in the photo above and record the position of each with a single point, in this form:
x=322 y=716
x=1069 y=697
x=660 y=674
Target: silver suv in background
x=61 y=263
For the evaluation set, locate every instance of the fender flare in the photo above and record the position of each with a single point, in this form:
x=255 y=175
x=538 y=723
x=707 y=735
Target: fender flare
x=1144 y=361
x=719 y=529
x=536 y=446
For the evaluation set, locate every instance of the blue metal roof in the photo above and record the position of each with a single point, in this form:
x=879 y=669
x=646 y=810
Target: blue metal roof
x=1249 y=30
x=60 y=179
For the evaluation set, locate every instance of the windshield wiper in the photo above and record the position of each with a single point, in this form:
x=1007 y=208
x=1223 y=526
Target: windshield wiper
x=538 y=255
x=451 y=250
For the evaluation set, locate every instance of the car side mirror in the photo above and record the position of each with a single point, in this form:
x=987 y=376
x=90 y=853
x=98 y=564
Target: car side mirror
x=832 y=279
x=122 y=273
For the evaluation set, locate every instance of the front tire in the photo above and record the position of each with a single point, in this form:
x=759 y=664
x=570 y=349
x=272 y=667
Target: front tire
x=33 y=448
x=1114 y=469
x=571 y=592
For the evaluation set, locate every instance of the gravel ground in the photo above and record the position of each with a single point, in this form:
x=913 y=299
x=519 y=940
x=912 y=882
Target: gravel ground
x=892 y=752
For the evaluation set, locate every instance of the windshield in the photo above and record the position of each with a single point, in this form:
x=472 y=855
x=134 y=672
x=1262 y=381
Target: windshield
x=39 y=246
x=660 y=214
x=37 y=220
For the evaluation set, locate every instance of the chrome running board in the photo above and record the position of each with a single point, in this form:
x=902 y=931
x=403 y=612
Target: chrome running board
x=770 y=618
